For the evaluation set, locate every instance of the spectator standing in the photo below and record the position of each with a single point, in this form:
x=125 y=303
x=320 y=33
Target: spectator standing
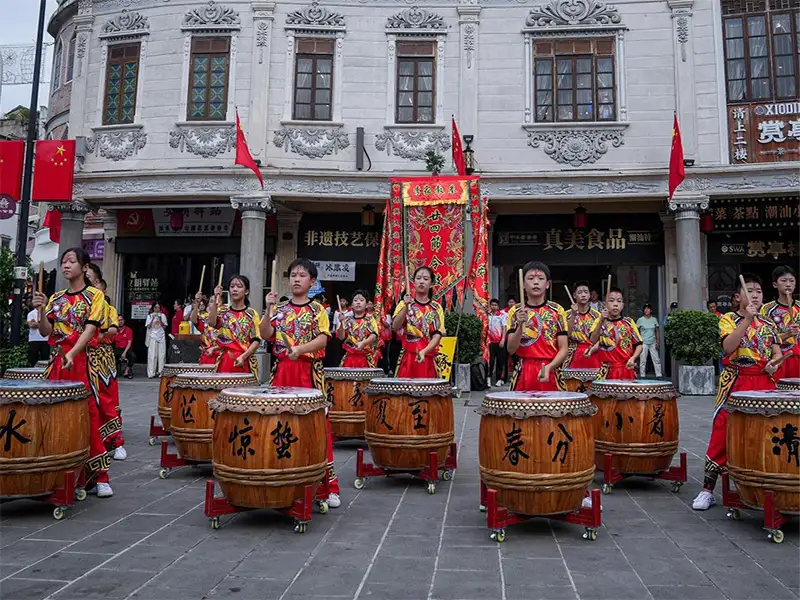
x=648 y=328
x=38 y=348
x=156 y=340
x=177 y=318
x=595 y=302
x=123 y=348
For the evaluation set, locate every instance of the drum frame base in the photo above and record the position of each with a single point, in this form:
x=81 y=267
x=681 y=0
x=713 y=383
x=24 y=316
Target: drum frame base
x=678 y=475
x=300 y=510
x=499 y=517
x=170 y=461
x=63 y=497
x=156 y=431
x=430 y=473
x=773 y=518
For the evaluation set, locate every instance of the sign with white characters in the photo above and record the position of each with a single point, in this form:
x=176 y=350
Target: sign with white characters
x=329 y=270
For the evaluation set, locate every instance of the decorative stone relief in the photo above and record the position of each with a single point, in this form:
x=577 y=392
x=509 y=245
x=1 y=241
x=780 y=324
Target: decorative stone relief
x=207 y=142
x=80 y=50
x=76 y=206
x=260 y=202
x=560 y=13
x=575 y=147
x=694 y=204
x=417 y=19
x=125 y=24
x=313 y=143
x=469 y=43
x=683 y=35
x=411 y=144
x=213 y=17
x=315 y=16
x=84 y=7
x=117 y=145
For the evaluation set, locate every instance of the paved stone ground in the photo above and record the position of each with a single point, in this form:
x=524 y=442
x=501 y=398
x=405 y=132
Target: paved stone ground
x=391 y=540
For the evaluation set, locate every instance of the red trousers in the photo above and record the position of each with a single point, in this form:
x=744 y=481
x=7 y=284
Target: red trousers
x=789 y=368
x=355 y=360
x=99 y=461
x=105 y=362
x=226 y=363
x=732 y=379
x=206 y=359
x=409 y=368
x=620 y=371
x=577 y=360
x=526 y=376
x=305 y=373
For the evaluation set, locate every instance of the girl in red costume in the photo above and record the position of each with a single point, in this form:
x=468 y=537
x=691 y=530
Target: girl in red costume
x=71 y=319
x=423 y=320
x=616 y=338
x=237 y=328
x=580 y=322
x=299 y=330
x=359 y=334
x=209 y=351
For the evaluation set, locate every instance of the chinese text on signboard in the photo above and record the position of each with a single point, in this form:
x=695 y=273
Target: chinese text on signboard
x=765 y=132
x=368 y=239
x=576 y=239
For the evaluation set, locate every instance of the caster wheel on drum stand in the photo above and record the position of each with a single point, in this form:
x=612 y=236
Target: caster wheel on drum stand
x=482 y=508
x=776 y=535
x=447 y=475
x=80 y=494
x=607 y=488
x=322 y=506
x=498 y=536
x=164 y=473
x=734 y=514
x=590 y=534
x=299 y=527
x=59 y=513
x=431 y=488
x=676 y=486
x=152 y=441
x=215 y=523
x=358 y=483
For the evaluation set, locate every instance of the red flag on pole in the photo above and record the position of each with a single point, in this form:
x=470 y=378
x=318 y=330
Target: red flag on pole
x=52 y=220
x=53 y=171
x=243 y=155
x=458 y=151
x=12 y=157
x=677 y=171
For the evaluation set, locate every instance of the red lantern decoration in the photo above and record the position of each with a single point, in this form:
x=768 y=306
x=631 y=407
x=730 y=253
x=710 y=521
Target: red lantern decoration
x=176 y=219
x=706 y=223
x=580 y=220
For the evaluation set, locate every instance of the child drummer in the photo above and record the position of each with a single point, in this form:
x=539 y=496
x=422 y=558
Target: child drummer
x=359 y=332
x=617 y=338
x=537 y=333
x=785 y=314
x=423 y=320
x=299 y=330
x=237 y=328
x=580 y=322
x=751 y=353
x=209 y=351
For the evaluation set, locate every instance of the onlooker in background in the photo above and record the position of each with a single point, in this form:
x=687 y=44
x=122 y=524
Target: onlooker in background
x=648 y=328
x=498 y=361
x=38 y=348
x=156 y=340
x=177 y=318
x=122 y=348
x=595 y=302
x=712 y=308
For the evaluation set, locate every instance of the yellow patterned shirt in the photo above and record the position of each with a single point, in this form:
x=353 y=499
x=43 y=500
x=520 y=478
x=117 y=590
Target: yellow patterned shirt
x=755 y=349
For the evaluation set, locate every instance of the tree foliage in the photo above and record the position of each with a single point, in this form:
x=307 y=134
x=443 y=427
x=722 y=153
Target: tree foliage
x=469 y=336
x=434 y=162
x=693 y=337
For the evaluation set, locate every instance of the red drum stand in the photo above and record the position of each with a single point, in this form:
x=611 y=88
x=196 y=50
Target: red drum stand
x=63 y=497
x=678 y=475
x=773 y=518
x=156 y=431
x=430 y=473
x=171 y=461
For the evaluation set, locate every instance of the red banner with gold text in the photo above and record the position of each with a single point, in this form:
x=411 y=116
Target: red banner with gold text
x=479 y=265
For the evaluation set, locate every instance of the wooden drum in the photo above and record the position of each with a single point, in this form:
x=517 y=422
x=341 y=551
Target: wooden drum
x=269 y=443
x=579 y=380
x=42 y=364
x=345 y=391
x=192 y=420
x=637 y=422
x=24 y=373
x=44 y=431
x=789 y=383
x=165 y=389
x=537 y=450
x=407 y=419
x=764 y=447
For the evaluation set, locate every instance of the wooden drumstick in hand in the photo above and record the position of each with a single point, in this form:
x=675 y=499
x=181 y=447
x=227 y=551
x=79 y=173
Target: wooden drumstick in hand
x=41 y=287
x=569 y=295
x=202 y=279
x=521 y=289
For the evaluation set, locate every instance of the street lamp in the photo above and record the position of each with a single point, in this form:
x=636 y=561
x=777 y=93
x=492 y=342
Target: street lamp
x=469 y=155
x=367 y=215
x=580 y=220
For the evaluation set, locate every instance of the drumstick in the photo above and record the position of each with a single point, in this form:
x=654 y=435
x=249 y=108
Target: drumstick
x=521 y=289
x=41 y=287
x=608 y=287
x=744 y=289
x=408 y=282
x=569 y=295
x=341 y=310
x=219 y=284
x=202 y=279
x=274 y=276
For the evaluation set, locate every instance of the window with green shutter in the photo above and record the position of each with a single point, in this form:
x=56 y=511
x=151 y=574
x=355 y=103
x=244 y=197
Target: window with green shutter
x=208 y=79
x=122 y=78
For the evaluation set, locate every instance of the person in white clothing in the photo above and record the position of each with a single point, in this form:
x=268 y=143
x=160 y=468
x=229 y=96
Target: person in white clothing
x=38 y=348
x=648 y=327
x=156 y=340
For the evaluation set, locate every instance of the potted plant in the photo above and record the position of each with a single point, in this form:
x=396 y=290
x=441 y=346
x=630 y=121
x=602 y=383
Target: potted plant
x=693 y=339
x=468 y=346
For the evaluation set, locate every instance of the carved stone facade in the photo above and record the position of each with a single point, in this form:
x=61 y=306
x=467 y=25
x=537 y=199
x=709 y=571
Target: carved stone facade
x=206 y=142
x=313 y=143
x=412 y=144
x=117 y=144
x=575 y=147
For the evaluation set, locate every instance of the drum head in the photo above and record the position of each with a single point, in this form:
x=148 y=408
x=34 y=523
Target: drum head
x=581 y=374
x=352 y=374
x=269 y=400
x=396 y=386
x=765 y=402
x=24 y=373
x=173 y=369
x=535 y=396
x=633 y=389
x=213 y=381
x=789 y=383
x=523 y=405
x=41 y=391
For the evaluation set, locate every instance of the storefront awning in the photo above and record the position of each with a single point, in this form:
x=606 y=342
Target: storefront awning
x=45 y=250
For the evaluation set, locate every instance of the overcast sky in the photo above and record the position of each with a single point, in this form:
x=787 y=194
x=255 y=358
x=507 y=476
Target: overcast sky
x=18 y=26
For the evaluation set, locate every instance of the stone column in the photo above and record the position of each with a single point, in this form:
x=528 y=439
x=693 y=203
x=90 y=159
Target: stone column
x=73 y=216
x=257 y=114
x=111 y=260
x=670 y=260
x=687 y=209
x=683 y=62
x=254 y=209
x=286 y=246
x=83 y=41
x=468 y=22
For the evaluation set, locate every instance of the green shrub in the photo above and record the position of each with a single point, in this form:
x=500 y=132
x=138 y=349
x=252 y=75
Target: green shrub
x=11 y=358
x=693 y=337
x=469 y=335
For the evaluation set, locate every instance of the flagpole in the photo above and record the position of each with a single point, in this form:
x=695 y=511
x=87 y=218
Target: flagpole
x=27 y=179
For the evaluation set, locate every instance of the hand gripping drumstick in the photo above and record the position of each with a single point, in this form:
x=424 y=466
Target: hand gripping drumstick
x=341 y=310
x=747 y=295
x=521 y=289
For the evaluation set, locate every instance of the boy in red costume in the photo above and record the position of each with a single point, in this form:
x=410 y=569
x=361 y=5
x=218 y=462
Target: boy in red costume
x=580 y=322
x=299 y=330
x=537 y=334
x=617 y=338
x=750 y=345
x=785 y=314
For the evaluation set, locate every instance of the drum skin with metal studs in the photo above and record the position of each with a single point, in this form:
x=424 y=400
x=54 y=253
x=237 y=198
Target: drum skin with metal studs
x=344 y=388
x=24 y=373
x=44 y=431
x=407 y=419
x=165 y=389
x=579 y=380
x=537 y=450
x=269 y=443
x=764 y=447
x=42 y=364
x=192 y=421
x=789 y=383
x=637 y=422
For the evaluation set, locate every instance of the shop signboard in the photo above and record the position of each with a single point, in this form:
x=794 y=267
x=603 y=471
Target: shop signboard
x=140 y=310
x=95 y=248
x=748 y=214
x=329 y=270
x=141 y=288
x=197 y=221
x=757 y=246
x=764 y=132
x=339 y=237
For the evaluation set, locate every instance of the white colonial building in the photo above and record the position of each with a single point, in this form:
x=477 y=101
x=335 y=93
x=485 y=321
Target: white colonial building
x=567 y=104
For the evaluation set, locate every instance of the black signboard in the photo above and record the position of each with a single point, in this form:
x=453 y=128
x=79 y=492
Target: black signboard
x=339 y=237
x=609 y=239
x=754 y=247
x=748 y=214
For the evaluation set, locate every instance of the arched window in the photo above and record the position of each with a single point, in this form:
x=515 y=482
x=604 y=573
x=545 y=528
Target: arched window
x=65 y=134
x=71 y=58
x=57 y=65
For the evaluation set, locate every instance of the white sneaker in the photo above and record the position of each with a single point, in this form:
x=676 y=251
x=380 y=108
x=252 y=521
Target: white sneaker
x=499 y=383
x=704 y=501
x=334 y=501
x=587 y=503
x=120 y=453
x=104 y=490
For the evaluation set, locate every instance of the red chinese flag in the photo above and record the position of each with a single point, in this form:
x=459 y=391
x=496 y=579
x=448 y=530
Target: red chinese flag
x=677 y=172
x=12 y=157
x=458 y=151
x=243 y=156
x=53 y=171
x=52 y=220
